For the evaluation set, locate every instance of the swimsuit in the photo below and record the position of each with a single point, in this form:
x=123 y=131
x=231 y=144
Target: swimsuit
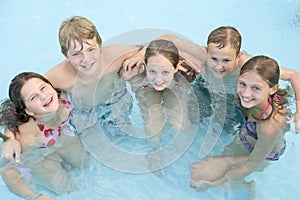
x=110 y=115
x=51 y=135
x=250 y=127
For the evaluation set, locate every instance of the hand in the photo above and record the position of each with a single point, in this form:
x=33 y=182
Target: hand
x=135 y=71
x=11 y=150
x=295 y=118
x=135 y=61
x=201 y=185
x=197 y=64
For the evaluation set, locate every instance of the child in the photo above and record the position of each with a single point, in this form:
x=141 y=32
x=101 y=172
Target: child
x=161 y=90
x=90 y=74
x=221 y=65
x=261 y=138
x=36 y=116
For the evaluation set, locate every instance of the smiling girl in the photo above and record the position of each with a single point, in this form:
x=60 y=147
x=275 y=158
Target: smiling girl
x=161 y=90
x=261 y=138
x=36 y=117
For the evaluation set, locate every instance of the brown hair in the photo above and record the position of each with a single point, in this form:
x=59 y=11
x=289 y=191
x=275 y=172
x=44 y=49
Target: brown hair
x=78 y=29
x=12 y=110
x=168 y=49
x=226 y=35
x=268 y=69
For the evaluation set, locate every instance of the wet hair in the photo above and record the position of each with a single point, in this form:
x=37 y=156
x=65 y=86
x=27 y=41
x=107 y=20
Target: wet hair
x=79 y=29
x=168 y=49
x=12 y=110
x=268 y=69
x=224 y=36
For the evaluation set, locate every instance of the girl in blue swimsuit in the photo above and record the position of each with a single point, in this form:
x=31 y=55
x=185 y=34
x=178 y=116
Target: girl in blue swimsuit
x=35 y=119
x=260 y=139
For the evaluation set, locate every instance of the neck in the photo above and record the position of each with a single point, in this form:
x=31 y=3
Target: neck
x=53 y=119
x=262 y=112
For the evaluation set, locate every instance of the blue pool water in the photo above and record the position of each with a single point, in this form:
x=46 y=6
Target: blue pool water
x=29 y=42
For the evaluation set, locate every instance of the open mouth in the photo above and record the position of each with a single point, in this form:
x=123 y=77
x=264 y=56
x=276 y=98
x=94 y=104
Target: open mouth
x=246 y=100
x=48 y=102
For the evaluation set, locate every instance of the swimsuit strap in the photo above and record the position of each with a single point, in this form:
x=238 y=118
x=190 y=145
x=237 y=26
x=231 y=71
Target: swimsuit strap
x=265 y=109
x=50 y=135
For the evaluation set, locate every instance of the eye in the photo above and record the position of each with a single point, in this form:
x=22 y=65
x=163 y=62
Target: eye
x=151 y=71
x=91 y=49
x=226 y=61
x=242 y=84
x=33 y=98
x=214 y=59
x=255 y=88
x=74 y=54
x=165 y=73
x=43 y=88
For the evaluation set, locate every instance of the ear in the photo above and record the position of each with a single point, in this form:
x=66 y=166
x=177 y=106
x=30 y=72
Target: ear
x=29 y=112
x=206 y=49
x=274 y=89
x=239 y=55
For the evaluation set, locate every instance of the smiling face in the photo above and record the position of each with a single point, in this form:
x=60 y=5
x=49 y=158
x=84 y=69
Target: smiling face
x=84 y=58
x=221 y=61
x=39 y=97
x=253 y=91
x=160 y=72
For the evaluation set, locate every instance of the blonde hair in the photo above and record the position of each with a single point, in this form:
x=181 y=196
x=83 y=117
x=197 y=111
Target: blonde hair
x=226 y=35
x=78 y=29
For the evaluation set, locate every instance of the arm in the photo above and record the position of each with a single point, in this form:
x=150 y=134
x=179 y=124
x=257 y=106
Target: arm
x=294 y=77
x=268 y=133
x=18 y=186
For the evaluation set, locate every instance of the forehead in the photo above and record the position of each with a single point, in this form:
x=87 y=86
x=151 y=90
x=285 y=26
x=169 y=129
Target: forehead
x=226 y=50
x=29 y=86
x=77 y=46
x=253 y=78
x=159 y=62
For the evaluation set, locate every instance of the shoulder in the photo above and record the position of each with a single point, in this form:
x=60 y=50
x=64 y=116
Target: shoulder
x=28 y=130
x=273 y=127
x=62 y=75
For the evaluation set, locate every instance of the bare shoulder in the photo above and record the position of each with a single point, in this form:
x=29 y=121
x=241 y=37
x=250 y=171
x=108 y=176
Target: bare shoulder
x=62 y=75
x=274 y=127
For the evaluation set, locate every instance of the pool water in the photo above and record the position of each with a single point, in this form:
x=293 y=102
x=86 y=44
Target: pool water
x=29 y=42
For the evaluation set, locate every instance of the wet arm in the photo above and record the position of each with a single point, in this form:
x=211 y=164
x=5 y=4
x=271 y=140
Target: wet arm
x=16 y=184
x=268 y=136
x=294 y=77
x=190 y=51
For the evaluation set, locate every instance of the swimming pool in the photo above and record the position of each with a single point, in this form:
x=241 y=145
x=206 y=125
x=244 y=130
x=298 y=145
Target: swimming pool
x=29 y=43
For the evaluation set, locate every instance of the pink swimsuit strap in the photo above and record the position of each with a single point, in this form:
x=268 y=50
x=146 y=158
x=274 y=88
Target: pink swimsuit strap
x=51 y=135
x=265 y=109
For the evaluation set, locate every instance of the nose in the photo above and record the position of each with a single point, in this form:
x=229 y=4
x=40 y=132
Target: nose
x=85 y=56
x=158 y=78
x=42 y=96
x=246 y=92
x=219 y=66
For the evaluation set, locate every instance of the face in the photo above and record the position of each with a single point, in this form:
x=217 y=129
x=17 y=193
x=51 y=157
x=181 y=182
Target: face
x=253 y=90
x=84 y=58
x=39 y=97
x=221 y=62
x=160 y=72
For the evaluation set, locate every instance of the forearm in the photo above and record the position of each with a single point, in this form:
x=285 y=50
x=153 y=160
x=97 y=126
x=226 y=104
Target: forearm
x=294 y=78
x=17 y=185
x=185 y=45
